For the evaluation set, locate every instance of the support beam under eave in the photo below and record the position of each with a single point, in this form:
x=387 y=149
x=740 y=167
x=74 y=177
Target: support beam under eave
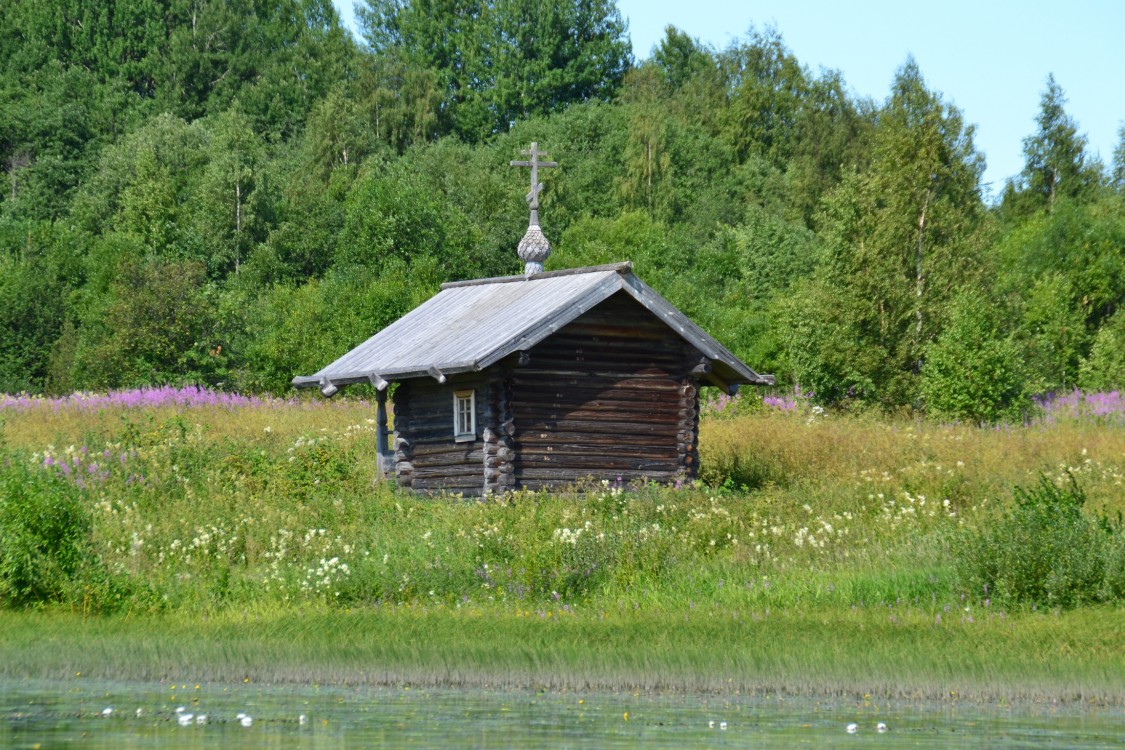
x=385 y=460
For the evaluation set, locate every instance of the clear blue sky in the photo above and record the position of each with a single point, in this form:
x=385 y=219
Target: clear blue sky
x=990 y=58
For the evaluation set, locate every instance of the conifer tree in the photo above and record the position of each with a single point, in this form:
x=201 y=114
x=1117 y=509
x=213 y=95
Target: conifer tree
x=1055 y=160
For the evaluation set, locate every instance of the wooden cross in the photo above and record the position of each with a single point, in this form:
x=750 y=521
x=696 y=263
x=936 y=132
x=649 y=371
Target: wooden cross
x=534 y=163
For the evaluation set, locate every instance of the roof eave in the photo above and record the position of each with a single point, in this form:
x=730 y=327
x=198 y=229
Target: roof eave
x=351 y=378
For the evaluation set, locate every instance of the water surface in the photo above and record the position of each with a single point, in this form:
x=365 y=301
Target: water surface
x=47 y=714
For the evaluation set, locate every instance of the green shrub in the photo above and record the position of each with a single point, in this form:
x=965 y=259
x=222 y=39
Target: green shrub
x=1045 y=551
x=1113 y=588
x=43 y=533
x=972 y=372
x=1104 y=369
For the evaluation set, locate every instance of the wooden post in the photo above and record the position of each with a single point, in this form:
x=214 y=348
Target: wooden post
x=385 y=461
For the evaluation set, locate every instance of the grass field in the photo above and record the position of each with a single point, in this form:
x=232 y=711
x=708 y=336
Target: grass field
x=1067 y=657
x=230 y=540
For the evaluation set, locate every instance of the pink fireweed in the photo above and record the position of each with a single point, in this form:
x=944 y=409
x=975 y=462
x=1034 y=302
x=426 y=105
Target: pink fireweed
x=182 y=396
x=86 y=468
x=780 y=401
x=1106 y=406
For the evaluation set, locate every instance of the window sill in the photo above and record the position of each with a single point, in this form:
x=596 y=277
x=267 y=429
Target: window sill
x=467 y=438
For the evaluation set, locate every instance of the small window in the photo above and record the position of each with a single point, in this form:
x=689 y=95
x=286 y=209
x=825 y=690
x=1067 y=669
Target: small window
x=464 y=415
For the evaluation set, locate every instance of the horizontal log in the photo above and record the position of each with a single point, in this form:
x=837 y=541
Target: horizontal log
x=532 y=440
x=651 y=414
x=473 y=458
x=661 y=409
x=661 y=451
x=637 y=426
x=604 y=400
x=608 y=368
x=568 y=475
x=622 y=325
x=655 y=402
x=434 y=435
x=451 y=448
x=638 y=412
x=596 y=462
x=451 y=472
x=578 y=394
x=590 y=353
x=610 y=332
x=442 y=415
x=548 y=379
x=417 y=407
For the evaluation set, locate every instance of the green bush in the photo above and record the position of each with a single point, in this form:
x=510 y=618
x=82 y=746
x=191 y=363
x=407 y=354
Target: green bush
x=1113 y=588
x=1045 y=551
x=1104 y=369
x=43 y=534
x=972 y=371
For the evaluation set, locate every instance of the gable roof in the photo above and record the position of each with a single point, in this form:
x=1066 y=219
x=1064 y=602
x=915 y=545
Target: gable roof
x=470 y=325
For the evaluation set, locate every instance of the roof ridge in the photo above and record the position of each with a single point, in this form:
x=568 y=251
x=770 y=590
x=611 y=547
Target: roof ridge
x=621 y=268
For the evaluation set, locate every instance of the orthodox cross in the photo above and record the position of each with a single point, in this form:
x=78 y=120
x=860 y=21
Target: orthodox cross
x=534 y=247
x=536 y=186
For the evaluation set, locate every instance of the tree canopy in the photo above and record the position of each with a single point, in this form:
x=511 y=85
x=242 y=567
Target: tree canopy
x=233 y=192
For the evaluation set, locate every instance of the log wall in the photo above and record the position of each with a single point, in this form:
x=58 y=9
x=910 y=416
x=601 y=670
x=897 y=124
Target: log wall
x=610 y=395
x=427 y=458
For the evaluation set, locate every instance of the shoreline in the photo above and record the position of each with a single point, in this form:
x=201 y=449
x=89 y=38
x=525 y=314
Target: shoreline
x=445 y=649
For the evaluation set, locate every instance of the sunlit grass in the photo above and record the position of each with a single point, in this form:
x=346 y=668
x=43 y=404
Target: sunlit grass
x=817 y=556
x=895 y=652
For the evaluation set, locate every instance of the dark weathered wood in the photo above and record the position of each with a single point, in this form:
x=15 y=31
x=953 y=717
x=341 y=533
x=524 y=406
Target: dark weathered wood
x=570 y=476
x=572 y=393
x=613 y=394
x=438 y=448
x=600 y=342
x=426 y=449
x=638 y=426
x=661 y=450
x=538 y=440
x=594 y=463
x=607 y=339
x=688 y=432
x=450 y=471
x=597 y=405
x=580 y=363
x=603 y=398
x=550 y=413
x=452 y=458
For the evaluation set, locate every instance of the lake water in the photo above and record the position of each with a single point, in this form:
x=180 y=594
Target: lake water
x=73 y=714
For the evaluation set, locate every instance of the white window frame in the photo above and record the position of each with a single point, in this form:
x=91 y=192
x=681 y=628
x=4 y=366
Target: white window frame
x=460 y=398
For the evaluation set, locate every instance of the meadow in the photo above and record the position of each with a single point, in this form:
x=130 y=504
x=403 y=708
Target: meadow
x=185 y=534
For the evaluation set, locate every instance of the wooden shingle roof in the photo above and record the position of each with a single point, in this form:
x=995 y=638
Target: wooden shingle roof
x=470 y=325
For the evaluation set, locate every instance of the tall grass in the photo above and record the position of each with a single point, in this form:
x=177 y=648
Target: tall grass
x=217 y=505
x=806 y=528
x=1074 y=656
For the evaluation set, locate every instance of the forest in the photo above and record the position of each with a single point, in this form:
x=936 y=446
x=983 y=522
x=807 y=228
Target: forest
x=228 y=193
